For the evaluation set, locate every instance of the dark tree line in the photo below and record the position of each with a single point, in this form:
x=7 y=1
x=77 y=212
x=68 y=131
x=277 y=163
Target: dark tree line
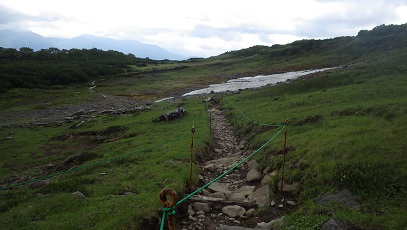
x=379 y=38
x=26 y=68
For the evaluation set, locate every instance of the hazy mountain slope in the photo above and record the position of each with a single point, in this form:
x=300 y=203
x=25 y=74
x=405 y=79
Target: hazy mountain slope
x=14 y=39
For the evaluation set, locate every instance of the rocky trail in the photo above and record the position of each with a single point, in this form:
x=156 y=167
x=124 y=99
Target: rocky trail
x=233 y=202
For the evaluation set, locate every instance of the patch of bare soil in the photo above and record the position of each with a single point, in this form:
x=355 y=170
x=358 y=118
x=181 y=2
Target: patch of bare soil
x=68 y=113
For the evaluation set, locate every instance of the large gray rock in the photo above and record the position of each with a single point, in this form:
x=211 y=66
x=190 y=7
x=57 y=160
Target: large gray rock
x=261 y=196
x=253 y=175
x=249 y=213
x=180 y=112
x=199 y=206
x=245 y=190
x=332 y=224
x=220 y=187
x=218 y=195
x=253 y=164
x=344 y=197
x=271 y=224
x=237 y=197
x=234 y=211
x=227 y=227
x=210 y=167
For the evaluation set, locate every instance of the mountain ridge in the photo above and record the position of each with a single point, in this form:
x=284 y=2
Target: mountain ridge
x=19 y=39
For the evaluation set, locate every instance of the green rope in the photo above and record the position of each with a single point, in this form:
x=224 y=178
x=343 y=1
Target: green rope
x=165 y=210
x=91 y=164
x=231 y=169
x=255 y=122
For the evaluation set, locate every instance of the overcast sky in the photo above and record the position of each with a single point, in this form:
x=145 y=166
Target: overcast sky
x=201 y=28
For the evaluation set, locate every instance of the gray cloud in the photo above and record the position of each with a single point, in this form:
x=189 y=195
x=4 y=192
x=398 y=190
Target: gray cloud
x=9 y=16
x=362 y=15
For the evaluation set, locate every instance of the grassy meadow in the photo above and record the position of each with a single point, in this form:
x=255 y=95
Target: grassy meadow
x=139 y=157
x=346 y=130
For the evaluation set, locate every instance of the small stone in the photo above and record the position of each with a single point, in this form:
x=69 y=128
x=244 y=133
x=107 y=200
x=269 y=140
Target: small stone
x=41 y=194
x=218 y=151
x=200 y=213
x=272 y=203
x=253 y=175
x=78 y=194
x=210 y=167
x=253 y=164
x=237 y=197
x=250 y=212
x=199 y=206
x=205 y=192
x=191 y=213
x=218 y=195
x=290 y=202
x=242 y=144
x=281 y=206
x=266 y=170
x=234 y=211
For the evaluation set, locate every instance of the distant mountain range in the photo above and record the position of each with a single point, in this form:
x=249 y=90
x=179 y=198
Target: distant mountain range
x=18 y=39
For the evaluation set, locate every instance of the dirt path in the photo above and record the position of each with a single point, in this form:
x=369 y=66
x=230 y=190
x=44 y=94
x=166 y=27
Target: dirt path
x=232 y=202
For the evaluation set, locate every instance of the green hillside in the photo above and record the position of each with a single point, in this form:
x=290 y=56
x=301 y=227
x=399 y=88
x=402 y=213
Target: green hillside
x=346 y=130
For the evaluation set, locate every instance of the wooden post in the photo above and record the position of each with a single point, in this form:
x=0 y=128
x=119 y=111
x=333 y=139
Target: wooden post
x=284 y=151
x=164 y=194
x=191 y=150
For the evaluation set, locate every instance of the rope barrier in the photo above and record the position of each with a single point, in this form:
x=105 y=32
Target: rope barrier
x=92 y=164
x=171 y=209
x=255 y=122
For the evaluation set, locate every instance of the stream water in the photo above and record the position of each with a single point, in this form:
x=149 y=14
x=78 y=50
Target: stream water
x=253 y=82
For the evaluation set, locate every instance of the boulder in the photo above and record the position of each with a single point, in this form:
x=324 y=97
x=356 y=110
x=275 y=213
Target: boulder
x=210 y=167
x=220 y=187
x=199 y=206
x=172 y=115
x=78 y=194
x=344 y=197
x=253 y=164
x=218 y=195
x=245 y=190
x=253 y=175
x=332 y=224
x=234 y=211
x=237 y=197
x=261 y=196
x=272 y=224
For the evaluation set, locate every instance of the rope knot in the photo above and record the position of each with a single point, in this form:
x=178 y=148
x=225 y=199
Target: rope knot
x=168 y=211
